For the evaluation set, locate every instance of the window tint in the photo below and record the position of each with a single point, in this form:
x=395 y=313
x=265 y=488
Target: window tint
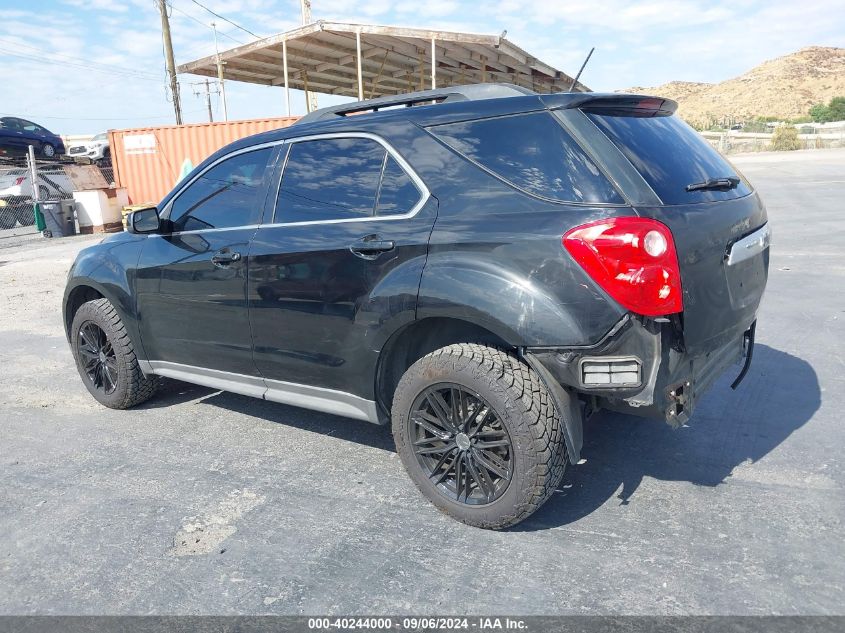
x=533 y=152
x=226 y=195
x=330 y=179
x=670 y=155
x=398 y=193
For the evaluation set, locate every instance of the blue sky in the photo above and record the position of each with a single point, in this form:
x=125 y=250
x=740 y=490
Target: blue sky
x=84 y=66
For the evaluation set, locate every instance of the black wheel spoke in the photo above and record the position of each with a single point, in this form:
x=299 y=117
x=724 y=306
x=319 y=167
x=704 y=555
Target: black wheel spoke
x=461 y=444
x=493 y=444
x=97 y=357
x=435 y=450
x=474 y=431
x=441 y=410
x=476 y=476
x=448 y=470
x=430 y=424
x=492 y=464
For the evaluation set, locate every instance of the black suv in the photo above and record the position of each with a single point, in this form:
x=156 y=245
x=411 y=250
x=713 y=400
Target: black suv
x=482 y=266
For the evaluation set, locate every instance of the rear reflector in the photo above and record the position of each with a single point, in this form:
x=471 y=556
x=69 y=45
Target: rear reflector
x=619 y=372
x=633 y=259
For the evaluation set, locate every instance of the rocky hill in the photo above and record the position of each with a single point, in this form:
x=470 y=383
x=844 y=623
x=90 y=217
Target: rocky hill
x=784 y=87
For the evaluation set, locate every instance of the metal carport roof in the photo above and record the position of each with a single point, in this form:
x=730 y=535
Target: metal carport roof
x=366 y=61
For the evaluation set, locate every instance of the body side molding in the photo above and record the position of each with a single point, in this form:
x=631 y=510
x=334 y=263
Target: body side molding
x=306 y=396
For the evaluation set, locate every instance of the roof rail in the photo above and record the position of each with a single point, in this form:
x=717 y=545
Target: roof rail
x=470 y=92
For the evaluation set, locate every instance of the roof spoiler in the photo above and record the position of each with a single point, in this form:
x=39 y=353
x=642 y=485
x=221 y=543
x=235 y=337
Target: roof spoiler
x=613 y=104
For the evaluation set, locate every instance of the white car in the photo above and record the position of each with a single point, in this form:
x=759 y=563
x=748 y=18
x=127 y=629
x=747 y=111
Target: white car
x=97 y=149
x=16 y=193
x=53 y=184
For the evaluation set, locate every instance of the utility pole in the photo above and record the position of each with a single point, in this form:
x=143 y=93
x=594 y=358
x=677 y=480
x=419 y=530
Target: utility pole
x=168 y=57
x=208 y=91
x=220 y=73
x=208 y=102
x=310 y=97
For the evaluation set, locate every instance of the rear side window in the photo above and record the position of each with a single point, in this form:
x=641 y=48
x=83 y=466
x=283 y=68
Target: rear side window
x=398 y=193
x=533 y=152
x=343 y=179
x=227 y=195
x=670 y=155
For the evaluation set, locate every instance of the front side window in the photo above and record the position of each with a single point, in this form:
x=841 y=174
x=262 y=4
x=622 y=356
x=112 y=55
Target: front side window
x=227 y=195
x=533 y=152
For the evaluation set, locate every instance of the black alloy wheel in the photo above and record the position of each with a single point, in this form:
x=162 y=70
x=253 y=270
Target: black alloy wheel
x=461 y=444
x=97 y=356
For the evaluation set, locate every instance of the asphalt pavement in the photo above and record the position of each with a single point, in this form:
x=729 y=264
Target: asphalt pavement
x=203 y=502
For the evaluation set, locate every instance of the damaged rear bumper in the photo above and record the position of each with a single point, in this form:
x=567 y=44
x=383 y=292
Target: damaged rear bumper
x=640 y=367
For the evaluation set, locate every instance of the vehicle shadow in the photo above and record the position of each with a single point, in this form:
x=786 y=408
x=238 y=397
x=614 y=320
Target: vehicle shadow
x=779 y=395
x=358 y=431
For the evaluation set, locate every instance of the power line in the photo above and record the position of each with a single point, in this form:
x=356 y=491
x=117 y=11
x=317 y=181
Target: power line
x=226 y=19
x=188 y=15
x=91 y=63
x=47 y=60
x=75 y=118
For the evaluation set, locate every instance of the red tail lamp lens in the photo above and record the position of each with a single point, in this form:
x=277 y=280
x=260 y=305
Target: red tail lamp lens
x=633 y=260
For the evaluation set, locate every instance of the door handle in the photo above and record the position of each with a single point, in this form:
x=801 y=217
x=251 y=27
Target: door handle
x=225 y=257
x=371 y=247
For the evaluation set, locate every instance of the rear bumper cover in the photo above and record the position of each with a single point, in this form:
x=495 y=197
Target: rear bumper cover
x=670 y=379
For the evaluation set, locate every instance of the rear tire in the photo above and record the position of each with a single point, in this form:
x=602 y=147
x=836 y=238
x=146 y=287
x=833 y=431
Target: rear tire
x=7 y=218
x=106 y=359
x=518 y=444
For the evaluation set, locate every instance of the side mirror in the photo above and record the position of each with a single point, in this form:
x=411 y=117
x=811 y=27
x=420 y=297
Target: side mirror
x=143 y=221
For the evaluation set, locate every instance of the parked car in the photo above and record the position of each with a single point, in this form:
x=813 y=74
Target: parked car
x=481 y=271
x=16 y=193
x=16 y=135
x=97 y=149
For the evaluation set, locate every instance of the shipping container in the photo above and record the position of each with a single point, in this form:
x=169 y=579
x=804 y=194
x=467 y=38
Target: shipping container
x=149 y=161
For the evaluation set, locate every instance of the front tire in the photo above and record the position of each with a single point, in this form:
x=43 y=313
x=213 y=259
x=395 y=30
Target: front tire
x=106 y=359
x=478 y=433
x=48 y=150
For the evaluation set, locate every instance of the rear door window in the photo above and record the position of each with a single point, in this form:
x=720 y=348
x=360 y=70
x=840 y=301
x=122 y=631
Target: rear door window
x=670 y=155
x=330 y=179
x=532 y=152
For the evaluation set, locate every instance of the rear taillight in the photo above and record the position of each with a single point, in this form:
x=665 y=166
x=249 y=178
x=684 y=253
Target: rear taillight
x=19 y=180
x=633 y=260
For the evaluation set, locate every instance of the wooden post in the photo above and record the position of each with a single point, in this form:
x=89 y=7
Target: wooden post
x=433 y=64
x=285 y=66
x=422 y=69
x=360 y=75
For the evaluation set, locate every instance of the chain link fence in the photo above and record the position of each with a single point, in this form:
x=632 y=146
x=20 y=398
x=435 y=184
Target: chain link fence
x=18 y=190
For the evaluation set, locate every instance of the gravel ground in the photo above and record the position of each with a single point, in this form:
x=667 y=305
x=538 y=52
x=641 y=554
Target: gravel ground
x=209 y=502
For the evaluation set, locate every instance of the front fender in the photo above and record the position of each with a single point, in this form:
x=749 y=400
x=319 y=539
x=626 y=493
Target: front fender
x=108 y=268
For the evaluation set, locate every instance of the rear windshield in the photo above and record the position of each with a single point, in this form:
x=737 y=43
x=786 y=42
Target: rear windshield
x=532 y=152
x=670 y=155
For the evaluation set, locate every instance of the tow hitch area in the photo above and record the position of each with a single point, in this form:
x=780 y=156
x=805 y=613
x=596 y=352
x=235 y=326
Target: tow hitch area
x=678 y=412
x=748 y=343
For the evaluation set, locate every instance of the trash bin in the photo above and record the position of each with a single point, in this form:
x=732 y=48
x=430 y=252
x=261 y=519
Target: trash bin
x=58 y=218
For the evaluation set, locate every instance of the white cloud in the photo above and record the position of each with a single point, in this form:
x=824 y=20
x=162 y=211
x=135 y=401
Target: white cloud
x=638 y=42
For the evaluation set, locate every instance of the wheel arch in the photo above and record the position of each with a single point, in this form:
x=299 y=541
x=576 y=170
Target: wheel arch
x=82 y=290
x=418 y=338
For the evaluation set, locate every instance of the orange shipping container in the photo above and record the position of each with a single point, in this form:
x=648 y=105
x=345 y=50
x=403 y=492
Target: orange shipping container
x=149 y=161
